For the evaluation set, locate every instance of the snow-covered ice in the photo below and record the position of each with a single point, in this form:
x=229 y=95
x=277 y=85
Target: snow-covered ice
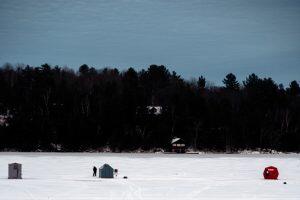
x=54 y=176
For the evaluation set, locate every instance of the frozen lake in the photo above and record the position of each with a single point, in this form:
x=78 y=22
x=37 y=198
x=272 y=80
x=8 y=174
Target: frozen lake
x=150 y=176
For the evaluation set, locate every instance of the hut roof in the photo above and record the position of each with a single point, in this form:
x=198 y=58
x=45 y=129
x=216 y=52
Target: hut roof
x=14 y=164
x=106 y=166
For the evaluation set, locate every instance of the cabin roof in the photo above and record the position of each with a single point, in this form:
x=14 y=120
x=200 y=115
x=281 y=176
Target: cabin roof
x=176 y=139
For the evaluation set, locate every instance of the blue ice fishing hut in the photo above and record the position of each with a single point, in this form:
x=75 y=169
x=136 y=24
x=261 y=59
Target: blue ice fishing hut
x=106 y=171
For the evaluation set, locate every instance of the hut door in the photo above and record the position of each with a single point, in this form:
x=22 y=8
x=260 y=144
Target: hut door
x=16 y=169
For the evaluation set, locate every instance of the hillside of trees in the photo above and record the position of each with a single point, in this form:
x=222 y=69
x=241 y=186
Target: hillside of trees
x=47 y=107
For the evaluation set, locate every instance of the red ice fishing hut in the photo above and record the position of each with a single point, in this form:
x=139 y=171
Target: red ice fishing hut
x=271 y=173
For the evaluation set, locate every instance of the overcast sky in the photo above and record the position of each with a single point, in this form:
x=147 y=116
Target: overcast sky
x=194 y=37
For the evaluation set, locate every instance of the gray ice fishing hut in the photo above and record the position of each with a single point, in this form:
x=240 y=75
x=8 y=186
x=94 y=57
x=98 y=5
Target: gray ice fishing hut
x=15 y=171
x=106 y=171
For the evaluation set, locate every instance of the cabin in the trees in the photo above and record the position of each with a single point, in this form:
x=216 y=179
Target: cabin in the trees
x=156 y=110
x=178 y=145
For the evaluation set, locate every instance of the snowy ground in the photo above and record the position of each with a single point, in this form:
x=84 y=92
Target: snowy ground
x=150 y=176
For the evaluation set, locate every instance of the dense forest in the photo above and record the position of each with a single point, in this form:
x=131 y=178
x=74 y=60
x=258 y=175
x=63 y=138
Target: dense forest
x=52 y=108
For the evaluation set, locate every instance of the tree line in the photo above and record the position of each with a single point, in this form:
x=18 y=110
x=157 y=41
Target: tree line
x=54 y=108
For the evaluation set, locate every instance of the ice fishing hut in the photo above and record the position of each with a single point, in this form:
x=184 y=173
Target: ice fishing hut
x=15 y=171
x=106 y=171
x=178 y=145
x=271 y=172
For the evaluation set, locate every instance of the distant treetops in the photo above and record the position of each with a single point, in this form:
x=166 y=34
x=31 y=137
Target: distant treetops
x=55 y=108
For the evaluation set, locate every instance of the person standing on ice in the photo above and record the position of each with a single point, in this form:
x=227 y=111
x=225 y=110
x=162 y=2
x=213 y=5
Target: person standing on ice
x=94 y=171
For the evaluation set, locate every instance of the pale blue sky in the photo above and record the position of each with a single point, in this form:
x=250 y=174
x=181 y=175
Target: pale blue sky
x=194 y=37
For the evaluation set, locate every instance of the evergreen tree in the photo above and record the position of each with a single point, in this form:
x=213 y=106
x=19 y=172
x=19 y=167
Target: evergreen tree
x=231 y=82
x=201 y=83
x=294 y=89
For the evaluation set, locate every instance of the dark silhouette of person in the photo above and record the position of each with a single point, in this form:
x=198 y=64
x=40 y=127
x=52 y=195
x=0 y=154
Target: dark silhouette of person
x=94 y=171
